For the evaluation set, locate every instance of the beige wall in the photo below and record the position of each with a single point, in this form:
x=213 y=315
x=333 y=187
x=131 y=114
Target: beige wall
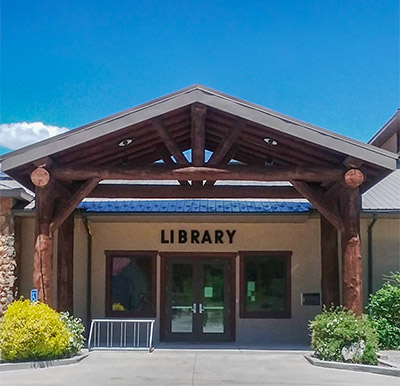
x=300 y=238
x=386 y=249
x=264 y=233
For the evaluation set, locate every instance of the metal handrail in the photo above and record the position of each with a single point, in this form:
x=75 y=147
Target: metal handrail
x=126 y=337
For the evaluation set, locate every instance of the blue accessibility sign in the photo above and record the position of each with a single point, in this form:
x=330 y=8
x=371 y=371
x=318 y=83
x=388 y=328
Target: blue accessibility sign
x=34 y=295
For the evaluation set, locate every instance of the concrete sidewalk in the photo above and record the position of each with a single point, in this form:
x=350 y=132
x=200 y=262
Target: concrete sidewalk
x=193 y=367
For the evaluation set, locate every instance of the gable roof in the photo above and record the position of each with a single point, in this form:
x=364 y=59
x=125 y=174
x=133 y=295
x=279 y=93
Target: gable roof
x=12 y=189
x=279 y=123
x=391 y=127
x=385 y=195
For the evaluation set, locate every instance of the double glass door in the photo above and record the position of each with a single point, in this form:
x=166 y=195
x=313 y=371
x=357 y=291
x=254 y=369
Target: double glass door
x=198 y=298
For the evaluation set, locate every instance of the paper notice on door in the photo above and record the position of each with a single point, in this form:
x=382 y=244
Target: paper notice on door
x=208 y=292
x=251 y=286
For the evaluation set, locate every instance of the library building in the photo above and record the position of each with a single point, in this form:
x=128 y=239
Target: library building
x=218 y=219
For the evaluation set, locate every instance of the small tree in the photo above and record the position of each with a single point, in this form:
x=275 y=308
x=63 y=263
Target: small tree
x=384 y=311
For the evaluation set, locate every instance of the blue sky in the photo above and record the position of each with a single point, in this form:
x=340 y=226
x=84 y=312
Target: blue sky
x=331 y=63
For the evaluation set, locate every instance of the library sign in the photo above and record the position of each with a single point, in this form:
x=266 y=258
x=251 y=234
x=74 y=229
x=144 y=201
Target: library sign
x=195 y=236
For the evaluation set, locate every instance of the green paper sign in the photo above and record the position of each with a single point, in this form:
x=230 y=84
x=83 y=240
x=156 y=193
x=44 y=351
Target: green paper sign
x=251 y=286
x=208 y=292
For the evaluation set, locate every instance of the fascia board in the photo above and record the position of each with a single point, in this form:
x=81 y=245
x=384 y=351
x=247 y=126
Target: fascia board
x=302 y=130
x=95 y=130
x=19 y=194
x=210 y=98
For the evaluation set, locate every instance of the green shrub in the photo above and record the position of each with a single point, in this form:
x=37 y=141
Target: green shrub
x=337 y=331
x=76 y=330
x=32 y=332
x=384 y=310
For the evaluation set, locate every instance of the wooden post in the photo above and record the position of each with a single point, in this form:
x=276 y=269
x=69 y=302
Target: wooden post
x=351 y=250
x=329 y=264
x=42 y=260
x=65 y=265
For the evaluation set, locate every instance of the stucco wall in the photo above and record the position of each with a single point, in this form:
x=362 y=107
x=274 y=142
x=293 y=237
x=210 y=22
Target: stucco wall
x=301 y=237
x=386 y=249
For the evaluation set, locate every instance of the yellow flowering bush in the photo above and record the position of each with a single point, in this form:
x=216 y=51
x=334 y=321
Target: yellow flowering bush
x=32 y=332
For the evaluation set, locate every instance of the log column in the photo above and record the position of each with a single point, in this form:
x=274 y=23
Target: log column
x=43 y=257
x=329 y=264
x=65 y=265
x=351 y=242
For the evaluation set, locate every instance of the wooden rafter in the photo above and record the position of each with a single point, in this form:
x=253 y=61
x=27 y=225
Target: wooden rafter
x=223 y=151
x=72 y=202
x=169 y=141
x=317 y=200
x=229 y=172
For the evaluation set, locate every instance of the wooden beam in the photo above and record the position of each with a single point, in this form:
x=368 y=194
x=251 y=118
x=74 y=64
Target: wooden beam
x=72 y=202
x=351 y=162
x=353 y=178
x=45 y=162
x=43 y=256
x=351 y=250
x=166 y=157
x=224 y=146
x=198 y=134
x=229 y=172
x=171 y=191
x=169 y=141
x=329 y=264
x=317 y=200
x=65 y=265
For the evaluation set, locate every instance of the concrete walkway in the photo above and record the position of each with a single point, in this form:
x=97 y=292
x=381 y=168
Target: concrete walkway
x=193 y=367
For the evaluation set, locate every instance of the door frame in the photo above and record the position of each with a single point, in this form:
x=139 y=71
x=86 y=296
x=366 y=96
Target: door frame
x=229 y=256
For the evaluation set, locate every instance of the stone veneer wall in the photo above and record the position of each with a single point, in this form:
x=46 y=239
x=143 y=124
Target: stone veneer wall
x=7 y=254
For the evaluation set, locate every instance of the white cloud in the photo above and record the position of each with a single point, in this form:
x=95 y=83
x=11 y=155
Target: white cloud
x=19 y=134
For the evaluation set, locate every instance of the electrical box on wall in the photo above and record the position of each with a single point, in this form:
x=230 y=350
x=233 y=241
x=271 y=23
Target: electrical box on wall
x=310 y=299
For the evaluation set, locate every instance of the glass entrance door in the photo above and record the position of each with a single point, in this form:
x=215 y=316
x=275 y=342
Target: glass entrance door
x=198 y=299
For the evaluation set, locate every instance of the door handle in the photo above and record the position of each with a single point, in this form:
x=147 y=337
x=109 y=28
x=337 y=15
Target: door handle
x=201 y=308
x=194 y=308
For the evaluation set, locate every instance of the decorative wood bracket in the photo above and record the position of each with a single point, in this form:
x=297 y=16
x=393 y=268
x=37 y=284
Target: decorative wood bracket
x=166 y=157
x=72 y=202
x=317 y=200
x=225 y=145
x=169 y=141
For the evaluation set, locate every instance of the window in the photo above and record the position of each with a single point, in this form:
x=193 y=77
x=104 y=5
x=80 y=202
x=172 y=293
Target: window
x=130 y=289
x=265 y=285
